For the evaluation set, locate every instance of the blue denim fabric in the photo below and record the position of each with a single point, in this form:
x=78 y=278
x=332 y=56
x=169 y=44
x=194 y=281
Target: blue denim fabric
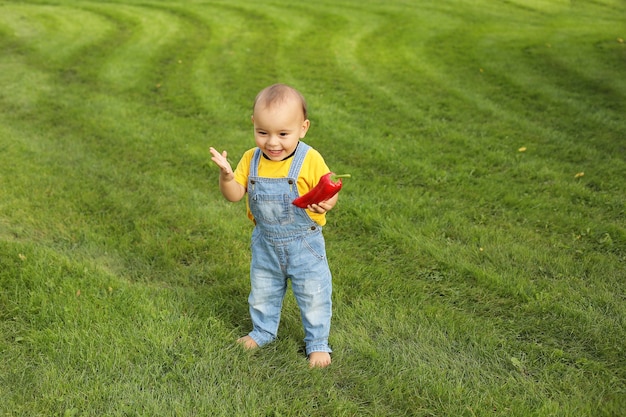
x=287 y=244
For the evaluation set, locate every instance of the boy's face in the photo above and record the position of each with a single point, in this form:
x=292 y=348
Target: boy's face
x=279 y=127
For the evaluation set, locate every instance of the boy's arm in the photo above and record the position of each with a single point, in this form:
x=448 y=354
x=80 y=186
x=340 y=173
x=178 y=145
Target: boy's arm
x=319 y=168
x=231 y=189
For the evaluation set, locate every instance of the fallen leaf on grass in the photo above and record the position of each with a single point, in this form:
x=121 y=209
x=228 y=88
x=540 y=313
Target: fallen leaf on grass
x=522 y=149
x=578 y=175
x=517 y=364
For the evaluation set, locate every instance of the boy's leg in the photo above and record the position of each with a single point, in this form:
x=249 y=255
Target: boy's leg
x=314 y=300
x=265 y=301
x=312 y=287
x=268 y=287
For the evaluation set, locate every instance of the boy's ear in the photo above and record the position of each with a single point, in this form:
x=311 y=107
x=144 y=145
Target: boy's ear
x=252 y=118
x=305 y=127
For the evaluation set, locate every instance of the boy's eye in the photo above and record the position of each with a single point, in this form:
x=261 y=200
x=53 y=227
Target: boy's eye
x=283 y=134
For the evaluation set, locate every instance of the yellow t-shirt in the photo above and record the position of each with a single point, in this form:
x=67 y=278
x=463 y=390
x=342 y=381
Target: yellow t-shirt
x=313 y=168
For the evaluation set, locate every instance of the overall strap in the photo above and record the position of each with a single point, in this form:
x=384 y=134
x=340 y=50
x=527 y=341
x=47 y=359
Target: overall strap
x=254 y=163
x=298 y=160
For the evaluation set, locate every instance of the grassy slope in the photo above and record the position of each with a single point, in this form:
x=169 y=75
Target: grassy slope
x=470 y=278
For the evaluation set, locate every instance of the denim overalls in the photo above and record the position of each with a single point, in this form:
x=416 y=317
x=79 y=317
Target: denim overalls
x=286 y=244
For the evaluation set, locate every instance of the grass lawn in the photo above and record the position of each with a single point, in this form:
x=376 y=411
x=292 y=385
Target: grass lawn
x=478 y=251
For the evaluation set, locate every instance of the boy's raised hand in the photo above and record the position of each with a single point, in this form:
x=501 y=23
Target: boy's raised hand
x=231 y=189
x=221 y=161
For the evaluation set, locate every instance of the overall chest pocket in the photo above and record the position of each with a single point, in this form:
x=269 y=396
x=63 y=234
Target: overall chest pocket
x=271 y=208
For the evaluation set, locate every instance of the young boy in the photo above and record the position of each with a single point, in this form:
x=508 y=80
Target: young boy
x=287 y=241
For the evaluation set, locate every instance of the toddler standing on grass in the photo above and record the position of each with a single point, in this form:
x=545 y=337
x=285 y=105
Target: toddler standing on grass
x=287 y=241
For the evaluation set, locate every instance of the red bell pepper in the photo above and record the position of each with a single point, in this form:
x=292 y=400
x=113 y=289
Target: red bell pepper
x=328 y=186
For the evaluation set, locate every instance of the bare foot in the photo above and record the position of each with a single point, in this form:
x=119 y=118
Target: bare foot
x=319 y=359
x=247 y=342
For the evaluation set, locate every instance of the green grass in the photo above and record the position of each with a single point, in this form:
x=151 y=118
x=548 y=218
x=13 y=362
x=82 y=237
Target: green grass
x=476 y=271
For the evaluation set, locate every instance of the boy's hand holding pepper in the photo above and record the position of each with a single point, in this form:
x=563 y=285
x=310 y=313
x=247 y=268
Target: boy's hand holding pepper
x=323 y=196
x=324 y=206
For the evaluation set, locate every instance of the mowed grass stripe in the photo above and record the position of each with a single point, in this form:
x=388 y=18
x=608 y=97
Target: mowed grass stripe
x=102 y=144
x=545 y=49
x=242 y=47
x=133 y=63
x=39 y=39
x=51 y=33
